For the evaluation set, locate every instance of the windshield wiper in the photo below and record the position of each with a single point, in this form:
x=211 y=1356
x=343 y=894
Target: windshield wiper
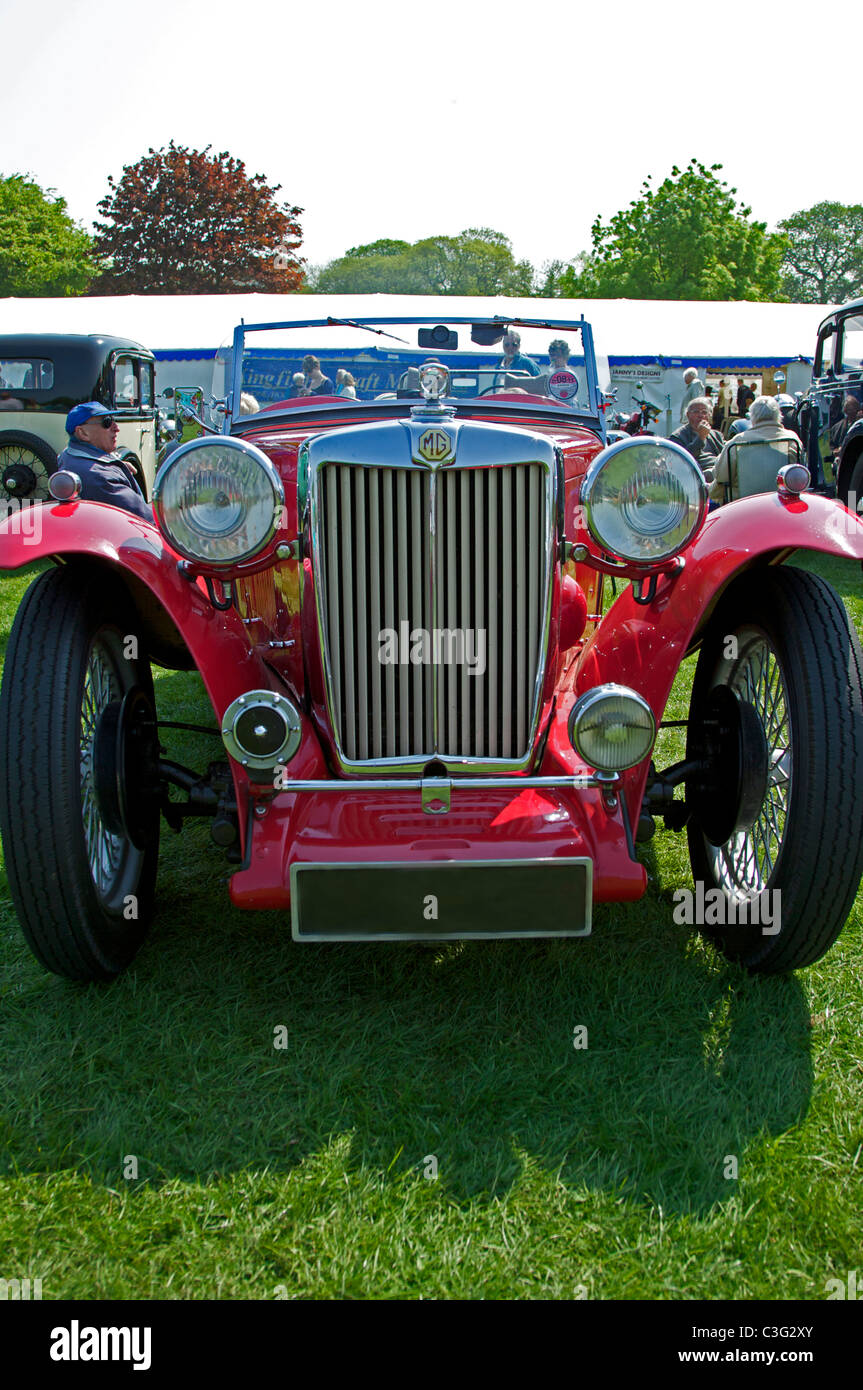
x=352 y=323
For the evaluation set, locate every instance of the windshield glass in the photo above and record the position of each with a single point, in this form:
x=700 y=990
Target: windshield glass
x=293 y=367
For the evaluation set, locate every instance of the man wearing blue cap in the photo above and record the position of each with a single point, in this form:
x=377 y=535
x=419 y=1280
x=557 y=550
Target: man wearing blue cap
x=93 y=432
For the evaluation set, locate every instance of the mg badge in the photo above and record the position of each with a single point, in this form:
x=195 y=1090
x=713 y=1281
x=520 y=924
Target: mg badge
x=435 y=445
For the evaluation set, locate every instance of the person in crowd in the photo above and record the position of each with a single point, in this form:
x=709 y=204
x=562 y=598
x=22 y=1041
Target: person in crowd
x=248 y=404
x=316 y=384
x=697 y=435
x=346 y=384
x=851 y=413
x=558 y=355
x=723 y=404
x=298 y=385
x=788 y=410
x=693 y=389
x=93 y=434
x=514 y=359
x=738 y=426
x=742 y=388
x=765 y=423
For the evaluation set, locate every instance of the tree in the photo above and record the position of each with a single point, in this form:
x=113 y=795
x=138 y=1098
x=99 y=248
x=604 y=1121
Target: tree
x=824 y=257
x=183 y=221
x=42 y=251
x=686 y=239
x=477 y=261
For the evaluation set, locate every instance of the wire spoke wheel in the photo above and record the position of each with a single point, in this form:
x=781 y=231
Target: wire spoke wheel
x=784 y=848
x=744 y=865
x=112 y=859
x=26 y=464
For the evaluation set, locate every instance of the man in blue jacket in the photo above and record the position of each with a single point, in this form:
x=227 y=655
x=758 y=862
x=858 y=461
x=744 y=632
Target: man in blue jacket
x=93 y=433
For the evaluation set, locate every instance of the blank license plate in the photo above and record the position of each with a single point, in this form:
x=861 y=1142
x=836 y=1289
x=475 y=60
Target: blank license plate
x=453 y=901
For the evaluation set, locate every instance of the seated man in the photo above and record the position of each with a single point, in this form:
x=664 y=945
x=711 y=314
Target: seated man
x=739 y=473
x=697 y=435
x=513 y=359
x=93 y=432
x=851 y=412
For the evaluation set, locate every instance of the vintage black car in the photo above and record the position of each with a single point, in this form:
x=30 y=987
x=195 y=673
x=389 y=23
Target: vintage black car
x=42 y=375
x=830 y=418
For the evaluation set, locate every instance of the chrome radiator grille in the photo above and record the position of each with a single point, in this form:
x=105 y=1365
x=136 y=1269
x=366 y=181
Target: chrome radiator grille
x=459 y=553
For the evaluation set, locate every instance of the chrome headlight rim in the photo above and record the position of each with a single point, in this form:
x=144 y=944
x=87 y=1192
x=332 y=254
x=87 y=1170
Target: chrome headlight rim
x=237 y=446
x=585 y=703
x=588 y=502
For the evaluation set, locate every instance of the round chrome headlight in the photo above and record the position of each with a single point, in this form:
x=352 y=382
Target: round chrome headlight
x=644 y=499
x=218 y=500
x=612 y=728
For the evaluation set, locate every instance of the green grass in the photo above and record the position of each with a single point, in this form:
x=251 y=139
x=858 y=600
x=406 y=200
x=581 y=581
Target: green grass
x=300 y=1172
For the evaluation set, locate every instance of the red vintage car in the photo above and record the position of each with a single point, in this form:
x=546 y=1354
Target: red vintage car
x=389 y=573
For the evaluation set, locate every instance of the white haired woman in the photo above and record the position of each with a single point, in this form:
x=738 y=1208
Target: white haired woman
x=765 y=425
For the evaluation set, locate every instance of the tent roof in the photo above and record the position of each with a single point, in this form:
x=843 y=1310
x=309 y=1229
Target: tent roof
x=642 y=329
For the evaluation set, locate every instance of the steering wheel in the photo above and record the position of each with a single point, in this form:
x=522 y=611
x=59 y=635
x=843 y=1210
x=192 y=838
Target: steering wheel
x=494 y=386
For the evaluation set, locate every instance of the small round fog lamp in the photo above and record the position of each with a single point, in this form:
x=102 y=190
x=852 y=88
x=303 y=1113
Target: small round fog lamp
x=612 y=728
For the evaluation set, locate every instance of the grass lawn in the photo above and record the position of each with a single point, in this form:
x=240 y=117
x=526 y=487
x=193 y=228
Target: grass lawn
x=307 y=1171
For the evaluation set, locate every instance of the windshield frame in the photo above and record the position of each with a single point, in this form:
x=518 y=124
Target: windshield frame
x=593 y=416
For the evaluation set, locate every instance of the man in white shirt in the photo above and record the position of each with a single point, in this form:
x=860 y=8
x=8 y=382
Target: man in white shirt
x=694 y=389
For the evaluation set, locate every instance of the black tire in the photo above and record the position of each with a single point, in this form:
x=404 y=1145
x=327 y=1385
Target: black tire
x=21 y=450
x=800 y=664
x=71 y=879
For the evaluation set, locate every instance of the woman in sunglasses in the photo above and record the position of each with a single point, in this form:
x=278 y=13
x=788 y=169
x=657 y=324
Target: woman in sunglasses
x=93 y=433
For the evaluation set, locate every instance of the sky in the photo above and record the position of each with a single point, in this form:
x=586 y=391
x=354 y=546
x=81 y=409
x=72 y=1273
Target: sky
x=398 y=118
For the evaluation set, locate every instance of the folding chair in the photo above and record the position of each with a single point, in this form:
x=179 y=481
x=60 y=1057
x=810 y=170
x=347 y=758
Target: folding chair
x=755 y=464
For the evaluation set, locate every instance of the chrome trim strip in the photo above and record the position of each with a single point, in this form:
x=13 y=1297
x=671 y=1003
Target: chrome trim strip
x=418 y=784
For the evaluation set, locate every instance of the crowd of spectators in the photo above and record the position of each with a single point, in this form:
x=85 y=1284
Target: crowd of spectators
x=707 y=418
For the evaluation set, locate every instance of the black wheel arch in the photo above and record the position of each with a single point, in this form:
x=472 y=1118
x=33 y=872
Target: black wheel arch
x=156 y=627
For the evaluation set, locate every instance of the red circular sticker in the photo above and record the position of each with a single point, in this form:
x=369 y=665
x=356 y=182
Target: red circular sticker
x=563 y=385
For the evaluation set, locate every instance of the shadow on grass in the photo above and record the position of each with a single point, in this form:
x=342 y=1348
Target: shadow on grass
x=461 y=1051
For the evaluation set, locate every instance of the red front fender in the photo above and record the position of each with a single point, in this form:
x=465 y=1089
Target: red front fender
x=642 y=647
x=109 y=536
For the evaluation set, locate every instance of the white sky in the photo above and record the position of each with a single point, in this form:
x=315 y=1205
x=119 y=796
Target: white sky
x=399 y=118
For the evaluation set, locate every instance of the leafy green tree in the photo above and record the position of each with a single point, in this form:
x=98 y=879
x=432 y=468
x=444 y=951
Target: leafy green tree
x=686 y=239
x=824 y=257
x=477 y=261
x=183 y=221
x=42 y=251
x=384 y=247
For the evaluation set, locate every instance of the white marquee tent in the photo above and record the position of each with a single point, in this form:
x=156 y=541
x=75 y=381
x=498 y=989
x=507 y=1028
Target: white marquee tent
x=659 y=335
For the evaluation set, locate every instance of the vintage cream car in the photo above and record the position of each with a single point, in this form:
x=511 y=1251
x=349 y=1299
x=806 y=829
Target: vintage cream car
x=42 y=376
